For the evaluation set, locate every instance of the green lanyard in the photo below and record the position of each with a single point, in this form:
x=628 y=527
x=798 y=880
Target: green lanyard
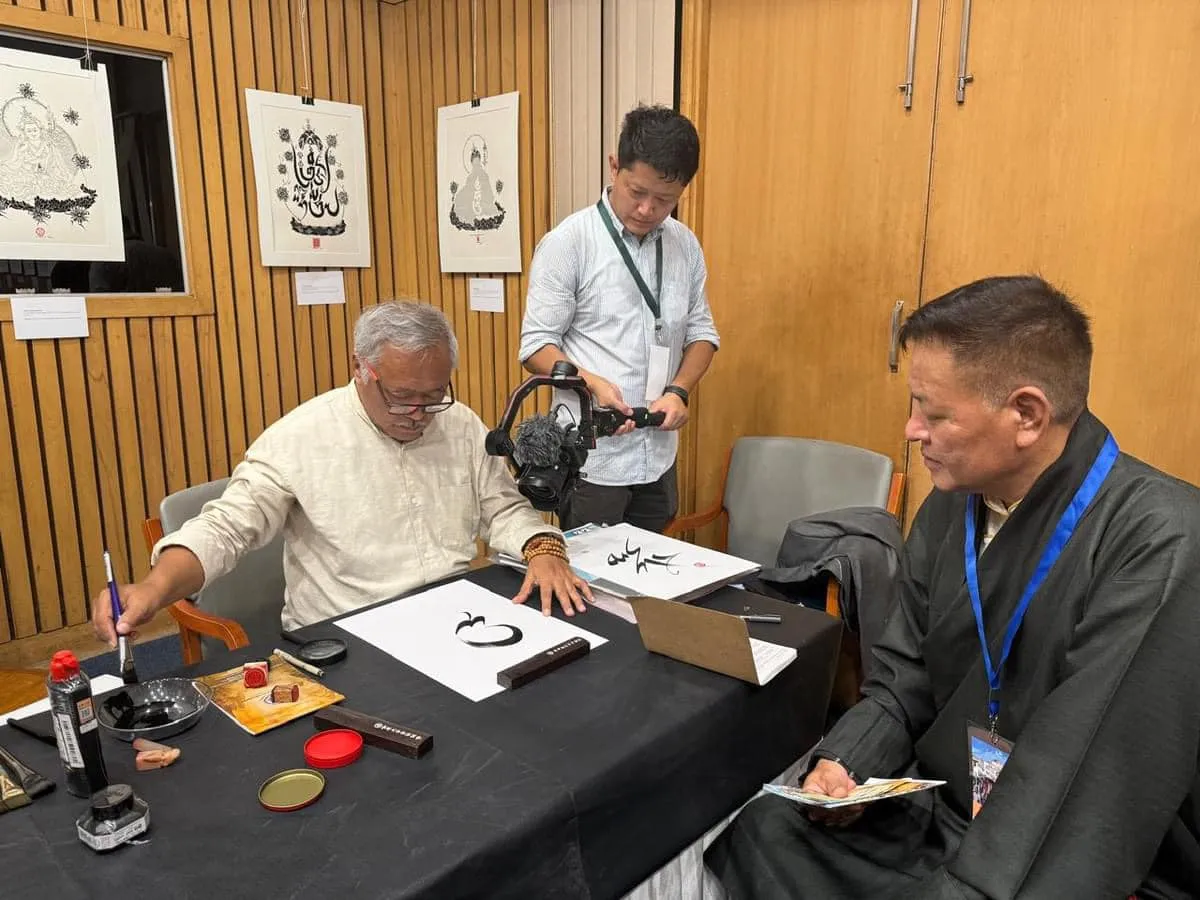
x=651 y=299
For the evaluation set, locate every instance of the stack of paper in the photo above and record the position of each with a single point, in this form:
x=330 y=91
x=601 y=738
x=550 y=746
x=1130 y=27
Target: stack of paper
x=625 y=561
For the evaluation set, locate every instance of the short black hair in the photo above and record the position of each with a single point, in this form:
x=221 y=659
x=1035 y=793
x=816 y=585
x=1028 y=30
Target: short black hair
x=661 y=138
x=1008 y=331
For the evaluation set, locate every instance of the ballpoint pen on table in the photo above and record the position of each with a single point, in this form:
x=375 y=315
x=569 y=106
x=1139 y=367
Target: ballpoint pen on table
x=767 y=618
x=124 y=645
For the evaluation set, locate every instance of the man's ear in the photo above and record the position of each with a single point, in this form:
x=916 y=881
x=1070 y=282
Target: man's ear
x=1033 y=413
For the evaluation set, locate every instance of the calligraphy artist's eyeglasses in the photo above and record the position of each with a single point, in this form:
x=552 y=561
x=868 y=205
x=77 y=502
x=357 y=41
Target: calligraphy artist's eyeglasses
x=407 y=409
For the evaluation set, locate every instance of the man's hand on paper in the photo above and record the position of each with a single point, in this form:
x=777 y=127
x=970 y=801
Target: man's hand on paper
x=554 y=578
x=832 y=779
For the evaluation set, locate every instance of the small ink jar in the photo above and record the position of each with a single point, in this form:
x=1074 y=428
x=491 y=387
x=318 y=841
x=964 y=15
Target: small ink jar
x=117 y=815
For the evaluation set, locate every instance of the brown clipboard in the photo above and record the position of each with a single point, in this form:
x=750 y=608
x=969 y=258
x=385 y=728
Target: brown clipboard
x=707 y=638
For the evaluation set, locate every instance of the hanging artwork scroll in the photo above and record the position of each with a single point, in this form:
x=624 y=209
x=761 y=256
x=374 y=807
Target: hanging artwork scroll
x=58 y=168
x=479 y=213
x=310 y=172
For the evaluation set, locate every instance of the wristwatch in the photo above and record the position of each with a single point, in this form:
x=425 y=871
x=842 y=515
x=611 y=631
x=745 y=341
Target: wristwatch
x=679 y=392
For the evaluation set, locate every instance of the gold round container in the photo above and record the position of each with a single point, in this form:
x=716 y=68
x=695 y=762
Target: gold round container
x=291 y=789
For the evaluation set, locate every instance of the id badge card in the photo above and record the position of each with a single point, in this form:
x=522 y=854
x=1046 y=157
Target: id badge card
x=658 y=372
x=989 y=753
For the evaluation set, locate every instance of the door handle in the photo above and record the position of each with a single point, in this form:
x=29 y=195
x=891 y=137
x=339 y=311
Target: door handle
x=907 y=87
x=894 y=344
x=964 y=39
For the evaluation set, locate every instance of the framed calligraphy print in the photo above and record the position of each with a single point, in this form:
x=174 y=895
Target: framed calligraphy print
x=479 y=212
x=310 y=172
x=58 y=165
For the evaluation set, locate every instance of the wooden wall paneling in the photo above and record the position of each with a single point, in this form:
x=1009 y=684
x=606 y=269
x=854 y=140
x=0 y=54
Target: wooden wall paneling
x=216 y=263
x=192 y=420
x=131 y=14
x=302 y=316
x=111 y=497
x=395 y=149
x=82 y=446
x=35 y=503
x=693 y=89
x=177 y=17
x=56 y=458
x=291 y=365
x=515 y=40
x=366 y=87
x=1076 y=184
x=147 y=424
x=129 y=461
x=455 y=80
x=840 y=178
x=231 y=256
x=220 y=461
x=168 y=391
x=107 y=11
x=165 y=378
x=155 y=15
x=15 y=574
x=338 y=15
x=323 y=317
x=252 y=280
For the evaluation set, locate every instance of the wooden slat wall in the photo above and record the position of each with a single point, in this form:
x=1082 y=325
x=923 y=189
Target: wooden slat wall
x=93 y=432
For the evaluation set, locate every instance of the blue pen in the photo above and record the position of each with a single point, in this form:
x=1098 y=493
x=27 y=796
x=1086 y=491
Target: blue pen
x=124 y=650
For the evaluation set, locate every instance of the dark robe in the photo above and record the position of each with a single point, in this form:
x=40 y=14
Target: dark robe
x=1101 y=695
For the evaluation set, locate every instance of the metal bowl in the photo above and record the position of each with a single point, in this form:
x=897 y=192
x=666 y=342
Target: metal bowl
x=153 y=709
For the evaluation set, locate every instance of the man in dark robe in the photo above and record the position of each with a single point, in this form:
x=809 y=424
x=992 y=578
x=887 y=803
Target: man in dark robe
x=1099 y=694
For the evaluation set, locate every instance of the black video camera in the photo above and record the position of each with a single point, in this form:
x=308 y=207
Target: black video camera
x=547 y=455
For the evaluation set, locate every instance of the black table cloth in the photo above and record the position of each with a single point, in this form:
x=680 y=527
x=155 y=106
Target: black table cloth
x=580 y=784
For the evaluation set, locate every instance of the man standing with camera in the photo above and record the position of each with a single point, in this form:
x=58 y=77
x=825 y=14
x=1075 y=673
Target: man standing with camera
x=618 y=290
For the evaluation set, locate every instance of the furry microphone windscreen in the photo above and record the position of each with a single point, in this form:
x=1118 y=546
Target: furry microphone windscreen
x=539 y=442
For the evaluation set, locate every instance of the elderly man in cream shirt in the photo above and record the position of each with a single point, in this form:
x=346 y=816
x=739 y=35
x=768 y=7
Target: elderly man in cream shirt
x=379 y=487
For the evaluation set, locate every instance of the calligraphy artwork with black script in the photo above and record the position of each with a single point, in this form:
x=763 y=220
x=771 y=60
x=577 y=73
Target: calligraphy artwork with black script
x=474 y=631
x=643 y=561
x=479 y=226
x=310 y=172
x=58 y=167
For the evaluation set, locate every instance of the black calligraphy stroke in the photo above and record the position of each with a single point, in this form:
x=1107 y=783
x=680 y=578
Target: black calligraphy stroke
x=514 y=636
x=643 y=565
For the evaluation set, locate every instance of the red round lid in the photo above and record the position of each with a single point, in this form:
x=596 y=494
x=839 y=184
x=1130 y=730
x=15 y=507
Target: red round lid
x=333 y=748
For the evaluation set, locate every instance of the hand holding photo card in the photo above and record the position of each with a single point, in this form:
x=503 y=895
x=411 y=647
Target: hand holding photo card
x=868 y=792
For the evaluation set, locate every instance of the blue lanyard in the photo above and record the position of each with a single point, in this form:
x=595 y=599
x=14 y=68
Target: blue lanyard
x=1058 y=540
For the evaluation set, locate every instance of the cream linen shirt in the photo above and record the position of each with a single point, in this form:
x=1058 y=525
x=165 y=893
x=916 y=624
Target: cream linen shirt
x=364 y=517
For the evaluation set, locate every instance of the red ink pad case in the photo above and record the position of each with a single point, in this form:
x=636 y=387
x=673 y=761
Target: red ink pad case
x=333 y=749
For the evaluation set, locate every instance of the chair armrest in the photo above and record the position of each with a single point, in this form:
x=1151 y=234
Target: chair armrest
x=696 y=520
x=193 y=622
x=896 y=494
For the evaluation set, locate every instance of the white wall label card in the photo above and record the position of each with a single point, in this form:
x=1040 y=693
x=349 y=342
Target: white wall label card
x=58 y=165
x=320 y=288
x=487 y=294
x=41 y=316
x=310 y=174
x=478 y=208
x=462 y=634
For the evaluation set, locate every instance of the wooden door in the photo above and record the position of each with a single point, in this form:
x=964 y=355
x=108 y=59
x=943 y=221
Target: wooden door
x=1075 y=156
x=810 y=207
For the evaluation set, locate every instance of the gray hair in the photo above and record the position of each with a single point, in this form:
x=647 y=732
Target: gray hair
x=404 y=324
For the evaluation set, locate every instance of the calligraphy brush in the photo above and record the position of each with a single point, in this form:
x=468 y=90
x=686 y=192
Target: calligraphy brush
x=124 y=645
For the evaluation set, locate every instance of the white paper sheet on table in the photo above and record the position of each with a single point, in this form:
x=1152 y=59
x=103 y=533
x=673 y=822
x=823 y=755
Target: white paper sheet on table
x=420 y=631
x=101 y=684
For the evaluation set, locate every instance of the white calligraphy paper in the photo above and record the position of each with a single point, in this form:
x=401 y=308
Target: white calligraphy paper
x=462 y=635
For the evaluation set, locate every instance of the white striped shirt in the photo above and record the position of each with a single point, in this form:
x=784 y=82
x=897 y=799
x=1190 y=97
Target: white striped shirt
x=584 y=301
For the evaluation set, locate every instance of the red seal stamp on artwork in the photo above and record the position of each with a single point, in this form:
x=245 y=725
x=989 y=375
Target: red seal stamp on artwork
x=316 y=243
